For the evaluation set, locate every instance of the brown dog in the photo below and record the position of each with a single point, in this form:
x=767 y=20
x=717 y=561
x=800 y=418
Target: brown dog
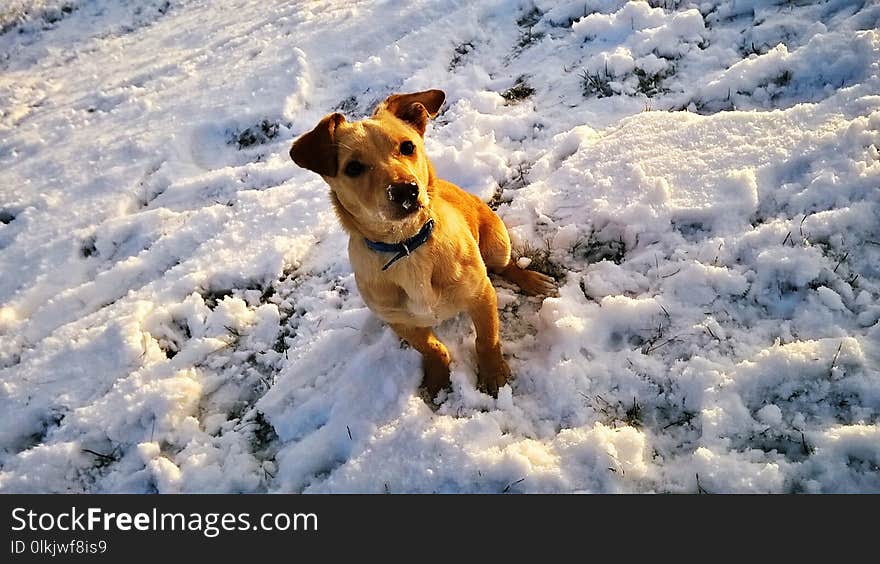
x=420 y=247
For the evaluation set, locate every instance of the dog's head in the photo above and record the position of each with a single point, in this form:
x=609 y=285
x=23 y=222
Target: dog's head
x=376 y=168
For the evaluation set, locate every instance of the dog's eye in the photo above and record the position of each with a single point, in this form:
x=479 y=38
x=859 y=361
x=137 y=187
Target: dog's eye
x=354 y=168
x=407 y=148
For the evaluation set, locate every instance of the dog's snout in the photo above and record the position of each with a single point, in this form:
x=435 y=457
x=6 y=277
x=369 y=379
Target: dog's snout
x=404 y=194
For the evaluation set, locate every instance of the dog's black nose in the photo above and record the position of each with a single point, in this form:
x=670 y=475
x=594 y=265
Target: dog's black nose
x=404 y=194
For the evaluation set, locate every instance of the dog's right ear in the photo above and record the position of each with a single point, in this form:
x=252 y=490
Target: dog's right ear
x=316 y=150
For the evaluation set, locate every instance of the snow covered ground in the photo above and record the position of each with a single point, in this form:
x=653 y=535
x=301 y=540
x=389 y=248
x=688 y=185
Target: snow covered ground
x=177 y=312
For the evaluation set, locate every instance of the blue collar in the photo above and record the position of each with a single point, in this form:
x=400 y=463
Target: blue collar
x=404 y=248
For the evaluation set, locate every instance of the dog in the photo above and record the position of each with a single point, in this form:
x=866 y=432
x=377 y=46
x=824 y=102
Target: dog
x=421 y=248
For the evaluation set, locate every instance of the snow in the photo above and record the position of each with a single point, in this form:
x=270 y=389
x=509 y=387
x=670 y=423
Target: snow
x=178 y=314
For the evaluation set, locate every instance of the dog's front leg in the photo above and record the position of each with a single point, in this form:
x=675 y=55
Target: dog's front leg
x=493 y=370
x=435 y=357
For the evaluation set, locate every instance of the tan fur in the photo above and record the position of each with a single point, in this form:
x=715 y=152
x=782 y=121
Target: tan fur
x=445 y=276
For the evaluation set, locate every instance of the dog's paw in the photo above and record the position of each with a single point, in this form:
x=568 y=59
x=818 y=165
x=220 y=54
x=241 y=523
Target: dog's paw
x=493 y=377
x=538 y=284
x=434 y=402
x=532 y=283
x=435 y=379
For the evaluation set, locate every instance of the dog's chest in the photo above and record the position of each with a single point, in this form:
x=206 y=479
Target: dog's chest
x=413 y=294
x=435 y=283
x=423 y=301
x=411 y=300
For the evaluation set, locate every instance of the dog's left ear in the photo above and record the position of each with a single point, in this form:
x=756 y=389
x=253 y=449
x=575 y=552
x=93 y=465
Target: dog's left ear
x=415 y=109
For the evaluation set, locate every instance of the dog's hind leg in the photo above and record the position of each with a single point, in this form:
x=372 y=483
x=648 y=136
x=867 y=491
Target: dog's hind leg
x=495 y=250
x=435 y=356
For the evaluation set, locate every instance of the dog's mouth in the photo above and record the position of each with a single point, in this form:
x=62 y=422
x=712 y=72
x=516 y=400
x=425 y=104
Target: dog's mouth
x=401 y=213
